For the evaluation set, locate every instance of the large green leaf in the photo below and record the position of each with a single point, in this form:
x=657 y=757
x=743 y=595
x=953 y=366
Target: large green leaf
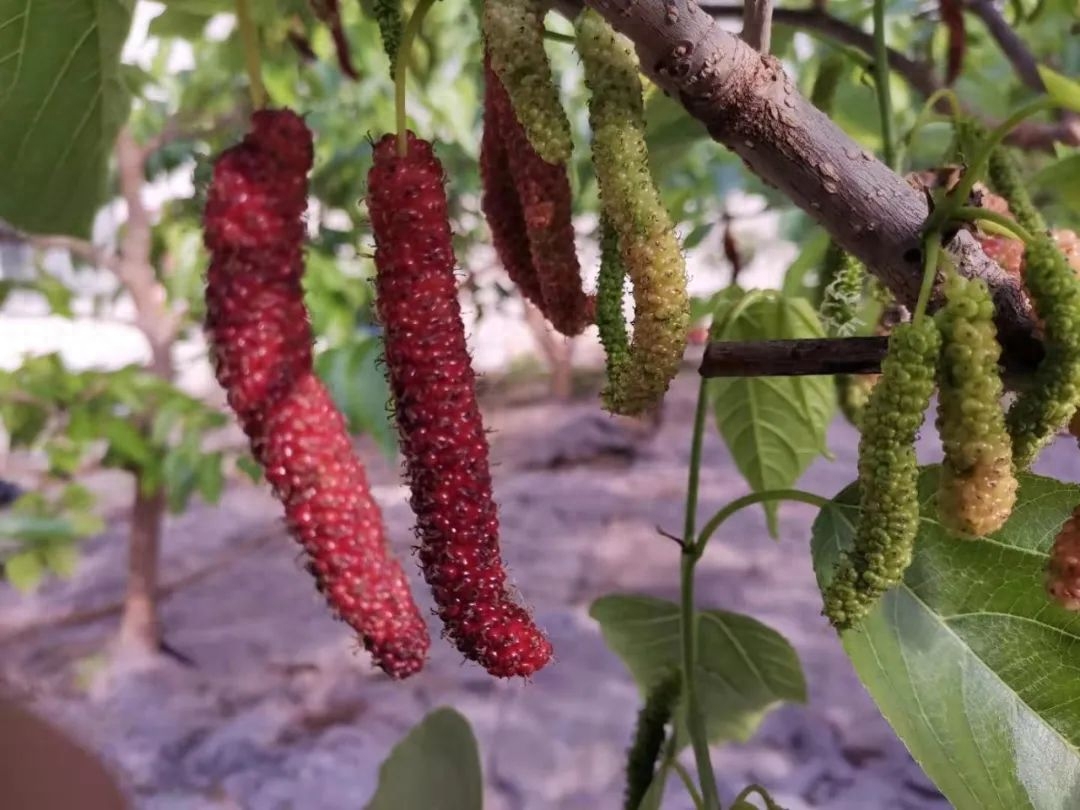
x=773 y=426
x=968 y=659
x=745 y=669
x=62 y=100
x=436 y=766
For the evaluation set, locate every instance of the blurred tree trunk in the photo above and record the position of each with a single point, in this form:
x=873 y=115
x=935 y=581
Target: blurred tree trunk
x=557 y=351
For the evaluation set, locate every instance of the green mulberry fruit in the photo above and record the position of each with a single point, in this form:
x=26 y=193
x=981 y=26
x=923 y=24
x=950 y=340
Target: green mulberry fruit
x=1048 y=404
x=844 y=276
x=514 y=34
x=630 y=201
x=977 y=489
x=387 y=14
x=888 y=475
x=853 y=391
x=610 y=286
x=649 y=737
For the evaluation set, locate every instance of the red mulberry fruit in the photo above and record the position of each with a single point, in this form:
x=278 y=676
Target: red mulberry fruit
x=1063 y=574
x=544 y=200
x=260 y=341
x=442 y=435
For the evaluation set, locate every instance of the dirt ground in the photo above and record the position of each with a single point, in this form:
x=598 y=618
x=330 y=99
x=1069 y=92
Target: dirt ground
x=276 y=710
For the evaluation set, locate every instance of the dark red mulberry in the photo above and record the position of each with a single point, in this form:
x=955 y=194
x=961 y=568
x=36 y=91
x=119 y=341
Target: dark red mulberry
x=260 y=340
x=545 y=202
x=442 y=435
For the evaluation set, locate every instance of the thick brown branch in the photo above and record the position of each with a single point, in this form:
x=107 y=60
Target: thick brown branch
x=1031 y=135
x=791 y=358
x=749 y=104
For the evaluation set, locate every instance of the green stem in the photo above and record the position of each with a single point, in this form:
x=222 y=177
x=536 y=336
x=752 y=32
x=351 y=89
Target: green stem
x=688 y=782
x=1003 y=223
x=927 y=113
x=881 y=79
x=709 y=529
x=932 y=252
x=760 y=791
x=401 y=69
x=695 y=722
x=975 y=170
x=249 y=36
x=555 y=36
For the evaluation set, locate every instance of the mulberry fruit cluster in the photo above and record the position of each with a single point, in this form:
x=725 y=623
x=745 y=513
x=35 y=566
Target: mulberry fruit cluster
x=630 y=202
x=514 y=35
x=442 y=435
x=260 y=339
x=1046 y=407
x=1063 y=571
x=888 y=475
x=528 y=204
x=977 y=488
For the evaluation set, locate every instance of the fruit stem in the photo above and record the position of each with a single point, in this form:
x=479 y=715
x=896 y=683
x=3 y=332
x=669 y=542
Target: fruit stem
x=688 y=783
x=932 y=252
x=1010 y=227
x=401 y=68
x=688 y=625
x=249 y=35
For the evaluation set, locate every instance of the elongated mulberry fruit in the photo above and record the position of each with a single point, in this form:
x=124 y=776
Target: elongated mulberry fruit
x=888 y=476
x=977 y=488
x=610 y=321
x=631 y=202
x=514 y=35
x=1063 y=571
x=260 y=339
x=1047 y=405
x=843 y=292
x=442 y=435
x=531 y=220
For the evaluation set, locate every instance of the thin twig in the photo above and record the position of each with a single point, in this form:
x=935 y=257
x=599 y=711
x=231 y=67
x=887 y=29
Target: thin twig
x=757 y=24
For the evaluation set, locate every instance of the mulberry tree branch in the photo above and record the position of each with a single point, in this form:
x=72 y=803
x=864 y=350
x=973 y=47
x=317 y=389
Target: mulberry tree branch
x=748 y=103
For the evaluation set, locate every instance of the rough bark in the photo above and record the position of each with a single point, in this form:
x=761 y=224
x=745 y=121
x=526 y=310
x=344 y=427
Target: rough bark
x=750 y=105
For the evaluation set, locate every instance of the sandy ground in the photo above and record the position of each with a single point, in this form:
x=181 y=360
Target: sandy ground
x=279 y=711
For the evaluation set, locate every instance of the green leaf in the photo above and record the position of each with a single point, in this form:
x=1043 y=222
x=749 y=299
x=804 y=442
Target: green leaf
x=1062 y=177
x=210 y=476
x=56 y=294
x=62 y=100
x=180 y=473
x=811 y=254
x=34 y=528
x=178 y=23
x=127 y=445
x=745 y=669
x=60 y=558
x=436 y=765
x=24 y=570
x=773 y=426
x=968 y=659
x=359 y=388
x=1062 y=89
x=250 y=467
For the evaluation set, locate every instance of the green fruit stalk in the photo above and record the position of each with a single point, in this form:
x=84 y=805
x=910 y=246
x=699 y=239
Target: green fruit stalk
x=514 y=36
x=888 y=475
x=977 y=488
x=630 y=201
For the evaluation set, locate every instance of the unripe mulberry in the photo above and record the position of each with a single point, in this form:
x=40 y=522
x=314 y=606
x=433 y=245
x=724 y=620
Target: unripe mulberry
x=1006 y=180
x=842 y=295
x=1046 y=407
x=888 y=476
x=514 y=35
x=630 y=201
x=649 y=736
x=853 y=392
x=1063 y=571
x=387 y=14
x=977 y=488
x=260 y=341
x=542 y=214
x=442 y=435
x=610 y=321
